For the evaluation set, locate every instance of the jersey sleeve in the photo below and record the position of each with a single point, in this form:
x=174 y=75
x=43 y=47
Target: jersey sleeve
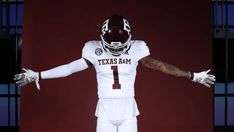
x=142 y=51
x=65 y=70
x=88 y=52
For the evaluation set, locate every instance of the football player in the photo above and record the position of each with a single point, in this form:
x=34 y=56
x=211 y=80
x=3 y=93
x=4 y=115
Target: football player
x=115 y=58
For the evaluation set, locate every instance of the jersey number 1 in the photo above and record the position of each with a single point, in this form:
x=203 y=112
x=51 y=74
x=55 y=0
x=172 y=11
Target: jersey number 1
x=116 y=84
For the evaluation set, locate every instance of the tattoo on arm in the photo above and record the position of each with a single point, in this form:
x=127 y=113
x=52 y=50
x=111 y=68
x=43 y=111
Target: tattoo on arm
x=154 y=64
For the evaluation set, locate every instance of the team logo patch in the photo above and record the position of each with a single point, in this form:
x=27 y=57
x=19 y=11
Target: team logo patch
x=98 y=51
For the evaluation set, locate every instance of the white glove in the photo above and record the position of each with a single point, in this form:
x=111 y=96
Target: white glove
x=27 y=77
x=204 y=78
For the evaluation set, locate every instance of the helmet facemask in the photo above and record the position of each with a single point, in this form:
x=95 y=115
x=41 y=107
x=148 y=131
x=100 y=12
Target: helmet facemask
x=116 y=35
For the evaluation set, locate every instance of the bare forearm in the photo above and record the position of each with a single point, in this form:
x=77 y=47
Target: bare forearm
x=154 y=64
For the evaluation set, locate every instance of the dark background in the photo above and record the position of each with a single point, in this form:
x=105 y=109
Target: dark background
x=178 y=33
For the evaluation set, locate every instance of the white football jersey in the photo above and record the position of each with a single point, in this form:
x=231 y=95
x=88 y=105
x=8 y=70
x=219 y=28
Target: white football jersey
x=115 y=77
x=115 y=74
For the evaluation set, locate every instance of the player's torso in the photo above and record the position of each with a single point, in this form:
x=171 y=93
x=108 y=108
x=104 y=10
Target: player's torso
x=116 y=78
x=115 y=74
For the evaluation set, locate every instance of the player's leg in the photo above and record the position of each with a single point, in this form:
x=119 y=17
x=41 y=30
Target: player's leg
x=129 y=125
x=105 y=126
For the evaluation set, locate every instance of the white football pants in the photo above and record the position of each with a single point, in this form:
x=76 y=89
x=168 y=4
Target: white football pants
x=129 y=125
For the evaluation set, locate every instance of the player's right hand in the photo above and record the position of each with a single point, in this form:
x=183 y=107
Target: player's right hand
x=27 y=77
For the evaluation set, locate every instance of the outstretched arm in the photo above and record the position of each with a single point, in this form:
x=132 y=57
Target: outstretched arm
x=65 y=70
x=201 y=77
x=154 y=64
x=61 y=71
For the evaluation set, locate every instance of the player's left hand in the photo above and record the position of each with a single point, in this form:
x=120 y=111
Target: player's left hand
x=204 y=78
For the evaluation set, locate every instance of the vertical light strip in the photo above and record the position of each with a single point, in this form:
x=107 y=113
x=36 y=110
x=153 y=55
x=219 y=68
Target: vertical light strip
x=230 y=120
x=8 y=100
x=219 y=111
x=216 y=16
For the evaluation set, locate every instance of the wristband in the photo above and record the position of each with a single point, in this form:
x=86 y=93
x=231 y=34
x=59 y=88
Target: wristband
x=39 y=75
x=191 y=75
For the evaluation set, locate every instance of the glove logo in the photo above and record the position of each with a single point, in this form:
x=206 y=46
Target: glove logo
x=98 y=51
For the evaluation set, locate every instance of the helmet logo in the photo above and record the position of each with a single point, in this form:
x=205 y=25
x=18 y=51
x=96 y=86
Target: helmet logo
x=126 y=26
x=105 y=26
